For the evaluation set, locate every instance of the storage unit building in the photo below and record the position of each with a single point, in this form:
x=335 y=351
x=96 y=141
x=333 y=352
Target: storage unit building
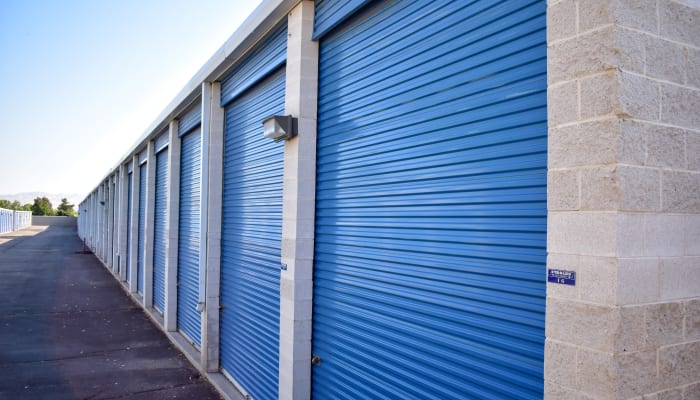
x=252 y=219
x=160 y=219
x=188 y=317
x=450 y=175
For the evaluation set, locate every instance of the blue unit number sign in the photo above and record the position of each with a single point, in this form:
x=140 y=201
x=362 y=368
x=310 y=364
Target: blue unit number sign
x=562 y=277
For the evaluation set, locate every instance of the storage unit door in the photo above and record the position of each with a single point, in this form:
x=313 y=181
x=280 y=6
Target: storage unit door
x=251 y=239
x=429 y=274
x=160 y=219
x=188 y=318
x=128 y=226
x=143 y=172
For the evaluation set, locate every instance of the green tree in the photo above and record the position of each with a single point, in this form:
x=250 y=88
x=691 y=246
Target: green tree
x=5 y=204
x=16 y=205
x=65 y=209
x=27 y=207
x=42 y=206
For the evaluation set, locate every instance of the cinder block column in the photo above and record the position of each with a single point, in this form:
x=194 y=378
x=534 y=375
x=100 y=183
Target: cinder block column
x=624 y=199
x=109 y=259
x=122 y=219
x=100 y=221
x=296 y=283
x=210 y=242
x=134 y=247
x=104 y=237
x=173 y=213
x=149 y=227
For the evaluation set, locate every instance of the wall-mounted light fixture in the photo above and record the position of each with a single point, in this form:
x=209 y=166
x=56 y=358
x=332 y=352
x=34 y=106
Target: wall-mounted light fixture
x=280 y=127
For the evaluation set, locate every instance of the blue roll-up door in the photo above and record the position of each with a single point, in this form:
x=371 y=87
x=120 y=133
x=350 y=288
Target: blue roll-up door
x=128 y=226
x=429 y=272
x=188 y=318
x=251 y=239
x=160 y=220
x=143 y=173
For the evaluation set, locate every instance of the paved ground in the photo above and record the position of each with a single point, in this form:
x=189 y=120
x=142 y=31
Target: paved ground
x=68 y=331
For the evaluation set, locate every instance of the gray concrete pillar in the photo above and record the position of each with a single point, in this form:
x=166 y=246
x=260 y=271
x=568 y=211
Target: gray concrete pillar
x=296 y=282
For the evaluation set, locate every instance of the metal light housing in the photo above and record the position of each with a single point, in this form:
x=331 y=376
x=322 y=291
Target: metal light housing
x=280 y=127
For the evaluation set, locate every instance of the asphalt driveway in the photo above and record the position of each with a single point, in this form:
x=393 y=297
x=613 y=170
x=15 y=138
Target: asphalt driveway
x=68 y=330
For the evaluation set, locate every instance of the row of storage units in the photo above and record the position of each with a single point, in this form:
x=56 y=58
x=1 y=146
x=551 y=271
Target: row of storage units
x=11 y=220
x=392 y=247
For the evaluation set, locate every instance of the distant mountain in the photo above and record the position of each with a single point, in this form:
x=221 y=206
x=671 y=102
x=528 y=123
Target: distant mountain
x=55 y=199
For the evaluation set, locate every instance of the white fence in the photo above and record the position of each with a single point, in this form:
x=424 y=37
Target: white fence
x=14 y=220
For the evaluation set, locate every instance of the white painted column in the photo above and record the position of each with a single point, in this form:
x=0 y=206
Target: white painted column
x=210 y=244
x=150 y=218
x=134 y=245
x=296 y=284
x=173 y=213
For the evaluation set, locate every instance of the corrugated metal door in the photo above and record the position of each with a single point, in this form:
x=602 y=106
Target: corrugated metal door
x=251 y=232
x=128 y=226
x=429 y=278
x=160 y=218
x=143 y=173
x=188 y=318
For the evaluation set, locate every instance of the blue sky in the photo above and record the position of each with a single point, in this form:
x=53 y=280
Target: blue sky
x=81 y=80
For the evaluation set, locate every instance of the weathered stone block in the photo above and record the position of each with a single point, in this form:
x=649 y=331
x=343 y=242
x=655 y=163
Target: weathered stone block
x=600 y=95
x=665 y=60
x=597 y=51
x=596 y=374
x=664 y=324
x=693 y=150
x=632 y=149
x=679 y=22
x=693 y=67
x=600 y=188
x=673 y=394
x=587 y=325
x=640 y=188
x=692 y=319
x=692 y=392
x=561 y=20
x=631 y=334
x=595 y=13
x=679 y=364
x=589 y=143
x=637 y=373
x=637 y=14
x=553 y=391
x=560 y=363
x=639 y=97
x=680 y=106
x=665 y=146
x=562 y=101
x=679 y=192
x=597 y=279
x=562 y=190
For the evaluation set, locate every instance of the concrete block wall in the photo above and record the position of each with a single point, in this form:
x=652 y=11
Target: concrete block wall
x=624 y=199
